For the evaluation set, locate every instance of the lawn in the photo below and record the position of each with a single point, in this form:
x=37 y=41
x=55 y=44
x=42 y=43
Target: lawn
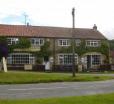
x=91 y=99
x=17 y=77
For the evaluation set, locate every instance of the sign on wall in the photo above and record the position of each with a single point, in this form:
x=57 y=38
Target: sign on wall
x=28 y=67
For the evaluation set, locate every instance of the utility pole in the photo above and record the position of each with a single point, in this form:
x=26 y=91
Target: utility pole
x=73 y=42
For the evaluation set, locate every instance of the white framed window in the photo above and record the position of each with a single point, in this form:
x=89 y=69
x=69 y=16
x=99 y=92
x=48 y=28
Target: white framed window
x=96 y=59
x=37 y=41
x=78 y=42
x=12 y=41
x=66 y=59
x=21 y=58
x=63 y=42
x=93 y=43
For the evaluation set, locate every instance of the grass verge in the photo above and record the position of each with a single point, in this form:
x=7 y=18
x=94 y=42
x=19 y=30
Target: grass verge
x=91 y=99
x=36 y=77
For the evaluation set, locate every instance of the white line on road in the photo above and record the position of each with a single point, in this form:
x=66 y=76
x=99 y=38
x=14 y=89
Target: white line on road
x=50 y=88
x=37 y=88
x=6 y=94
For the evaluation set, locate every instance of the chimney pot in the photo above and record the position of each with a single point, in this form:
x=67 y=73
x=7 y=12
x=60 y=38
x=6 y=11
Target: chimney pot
x=27 y=23
x=94 y=27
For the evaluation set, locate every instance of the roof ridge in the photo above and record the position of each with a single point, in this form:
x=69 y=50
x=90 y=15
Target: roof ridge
x=44 y=26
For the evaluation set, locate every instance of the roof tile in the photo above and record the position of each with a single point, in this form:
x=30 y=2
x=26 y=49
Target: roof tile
x=53 y=32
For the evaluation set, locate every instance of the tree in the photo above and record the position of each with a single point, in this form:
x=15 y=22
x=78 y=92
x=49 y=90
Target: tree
x=111 y=42
x=23 y=43
x=44 y=52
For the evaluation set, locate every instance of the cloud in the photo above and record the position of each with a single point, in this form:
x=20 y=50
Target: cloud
x=58 y=13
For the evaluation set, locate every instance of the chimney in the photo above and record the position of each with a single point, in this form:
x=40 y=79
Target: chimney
x=28 y=24
x=95 y=27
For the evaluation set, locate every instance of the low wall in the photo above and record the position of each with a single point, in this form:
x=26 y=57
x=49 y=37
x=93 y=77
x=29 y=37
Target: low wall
x=55 y=68
x=63 y=68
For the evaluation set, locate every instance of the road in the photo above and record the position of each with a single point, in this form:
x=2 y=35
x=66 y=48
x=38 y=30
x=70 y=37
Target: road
x=47 y=90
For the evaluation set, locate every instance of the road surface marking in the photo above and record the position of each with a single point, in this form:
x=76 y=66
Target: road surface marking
x=37 y=88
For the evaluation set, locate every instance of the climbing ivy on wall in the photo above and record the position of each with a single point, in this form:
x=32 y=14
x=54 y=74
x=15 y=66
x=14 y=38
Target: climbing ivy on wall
x=45 y=51
x=82 y=49
x=23 y=43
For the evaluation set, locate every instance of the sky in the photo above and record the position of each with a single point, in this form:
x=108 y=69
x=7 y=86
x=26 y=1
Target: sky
x=57 y=13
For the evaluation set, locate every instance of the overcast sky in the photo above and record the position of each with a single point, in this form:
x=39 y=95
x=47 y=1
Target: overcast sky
x=58 y=13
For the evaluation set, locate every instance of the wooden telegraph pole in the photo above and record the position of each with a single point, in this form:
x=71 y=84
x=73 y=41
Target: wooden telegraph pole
x=73 y=42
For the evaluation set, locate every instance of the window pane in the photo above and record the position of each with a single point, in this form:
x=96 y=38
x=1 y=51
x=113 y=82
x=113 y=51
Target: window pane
x=93 y=43
x=63 y=42
x=37 y=41
x=96 y=59
x=66 y=59
x=12 y=41
x=21 y=58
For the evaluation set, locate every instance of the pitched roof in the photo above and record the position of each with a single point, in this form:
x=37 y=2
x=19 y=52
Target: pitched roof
x=53 y=32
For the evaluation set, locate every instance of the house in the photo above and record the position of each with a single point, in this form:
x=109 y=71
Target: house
x=91 y=47
x=112 y=56
x=111 y=42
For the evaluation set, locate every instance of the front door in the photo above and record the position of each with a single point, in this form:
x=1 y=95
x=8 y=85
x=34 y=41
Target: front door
x=88 y=61
x=93 y=61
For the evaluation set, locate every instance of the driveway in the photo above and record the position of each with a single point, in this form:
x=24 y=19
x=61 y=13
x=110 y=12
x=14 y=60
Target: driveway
x=55 y=89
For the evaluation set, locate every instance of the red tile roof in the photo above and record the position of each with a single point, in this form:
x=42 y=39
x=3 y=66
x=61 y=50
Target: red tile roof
x=53 y=32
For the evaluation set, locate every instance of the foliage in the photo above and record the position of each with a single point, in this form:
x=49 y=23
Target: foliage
x=45 y=51
x=82 y=49
x=11 y=48
x=23 y=43
x=104 y=49
x=111 y=42
x=5 y=48
x=65 y=50
x=39 y=59
x=3 y=40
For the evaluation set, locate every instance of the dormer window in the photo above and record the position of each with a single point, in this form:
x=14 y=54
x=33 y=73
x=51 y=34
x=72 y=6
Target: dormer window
x=12 y=41
x=93 y=43
x=63 y=42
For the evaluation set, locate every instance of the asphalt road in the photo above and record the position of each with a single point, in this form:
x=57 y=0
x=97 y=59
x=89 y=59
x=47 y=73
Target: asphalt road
x=55 y=89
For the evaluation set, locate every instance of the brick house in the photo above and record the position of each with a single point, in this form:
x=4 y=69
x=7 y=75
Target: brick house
x=60 y=39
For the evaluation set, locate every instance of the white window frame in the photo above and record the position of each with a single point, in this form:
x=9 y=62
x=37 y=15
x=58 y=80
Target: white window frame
x=21 y=58
x=95 y=59
x=68 y=61
x=63 y=42
x=93 y=43
x=94 y=62
x=12 y=41
x=37 y=41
